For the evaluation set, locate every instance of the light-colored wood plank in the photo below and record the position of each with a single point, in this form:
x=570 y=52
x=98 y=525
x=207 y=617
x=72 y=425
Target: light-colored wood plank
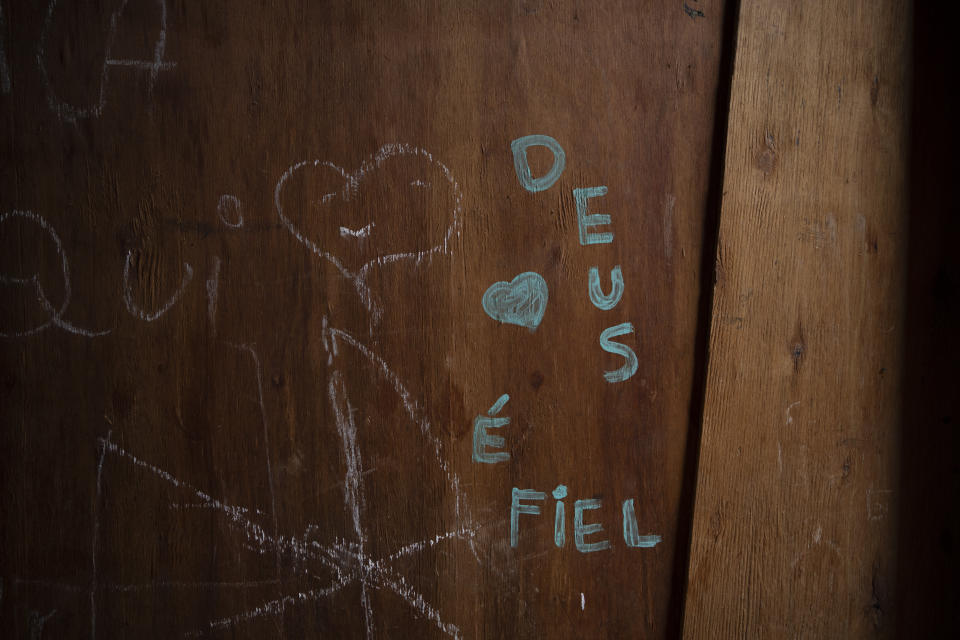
x=794 y=522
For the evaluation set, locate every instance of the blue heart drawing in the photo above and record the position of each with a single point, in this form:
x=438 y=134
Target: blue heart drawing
x=521 y=301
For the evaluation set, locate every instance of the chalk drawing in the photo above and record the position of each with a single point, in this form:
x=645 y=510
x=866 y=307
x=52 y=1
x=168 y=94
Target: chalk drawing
x=412 y=409
x=522 y=166
x=581 y=530
x=230 y=211
x=5 y=83
x=258 y=370
x=600 y=299
x=71 y=113
x=353 y=488
x=521 y=301
x=362 y=232
x=606 y=343
x=585 y=221
x=351 y=183
x=631 y=534
x=482 y=439
x=135 y=309
x=212 y=284
x=54 y=315
x=37 y=623
x=345 y=559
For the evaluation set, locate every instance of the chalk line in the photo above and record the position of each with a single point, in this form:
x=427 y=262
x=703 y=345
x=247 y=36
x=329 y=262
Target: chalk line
x=351 y=184
x=135 y=309
x=353 y=481
x=212 y=284
x=412 y=409
x=55 y=315
x=71 y=113
x=226 y=202
x=347 y=559
x=249 y=348
x=96 y=535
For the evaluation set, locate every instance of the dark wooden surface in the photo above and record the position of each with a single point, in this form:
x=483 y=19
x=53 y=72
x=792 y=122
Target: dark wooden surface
x=262 y=445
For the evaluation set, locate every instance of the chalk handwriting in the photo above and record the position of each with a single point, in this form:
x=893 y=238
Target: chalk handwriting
x=139 y=312
x=72 y=113
x=597 y=296
x=230 y=212
x=607 y=344
x=522 y=301
x=517 y=507
x=522 y=166
x=559 y=516
x=482 y=439
x=586 y=221
x=581 y=530
x=521 y=505
x=54 y=315
x=631 y=534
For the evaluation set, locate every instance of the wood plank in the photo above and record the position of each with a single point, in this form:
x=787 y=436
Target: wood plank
x=795 y=516
x=282 y=218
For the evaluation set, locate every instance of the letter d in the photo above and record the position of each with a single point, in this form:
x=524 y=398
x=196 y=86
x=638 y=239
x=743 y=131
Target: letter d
x=522 y=167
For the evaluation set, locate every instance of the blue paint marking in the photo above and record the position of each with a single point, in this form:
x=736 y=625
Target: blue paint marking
x=482 y=440
x=581 y=531
x=522 y=166
x=586 y=220
x=599 y=299
x=521 y=302
x=516 y=508
x=630 y=366
x=631 y=534
x=559 y=524
x=499 y=404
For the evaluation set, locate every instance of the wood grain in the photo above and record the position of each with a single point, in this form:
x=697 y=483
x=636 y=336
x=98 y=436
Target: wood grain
x=251 y=449
x=796 y=505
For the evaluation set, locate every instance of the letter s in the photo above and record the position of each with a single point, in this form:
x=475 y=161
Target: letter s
x=630 y=366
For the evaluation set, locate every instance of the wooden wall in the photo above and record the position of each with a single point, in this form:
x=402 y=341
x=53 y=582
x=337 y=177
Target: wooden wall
x=273 y=274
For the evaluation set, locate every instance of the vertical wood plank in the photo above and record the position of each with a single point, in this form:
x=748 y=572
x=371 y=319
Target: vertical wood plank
x=795 y=516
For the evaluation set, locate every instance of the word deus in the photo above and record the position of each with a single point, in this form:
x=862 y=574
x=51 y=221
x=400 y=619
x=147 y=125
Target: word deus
x=522 y=504
x=586 y=222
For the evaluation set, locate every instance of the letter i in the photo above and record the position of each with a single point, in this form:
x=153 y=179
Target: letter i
x=559 y=520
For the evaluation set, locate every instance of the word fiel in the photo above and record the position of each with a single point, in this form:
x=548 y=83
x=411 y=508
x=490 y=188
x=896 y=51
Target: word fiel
x=522 y=504
x=586 y=223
